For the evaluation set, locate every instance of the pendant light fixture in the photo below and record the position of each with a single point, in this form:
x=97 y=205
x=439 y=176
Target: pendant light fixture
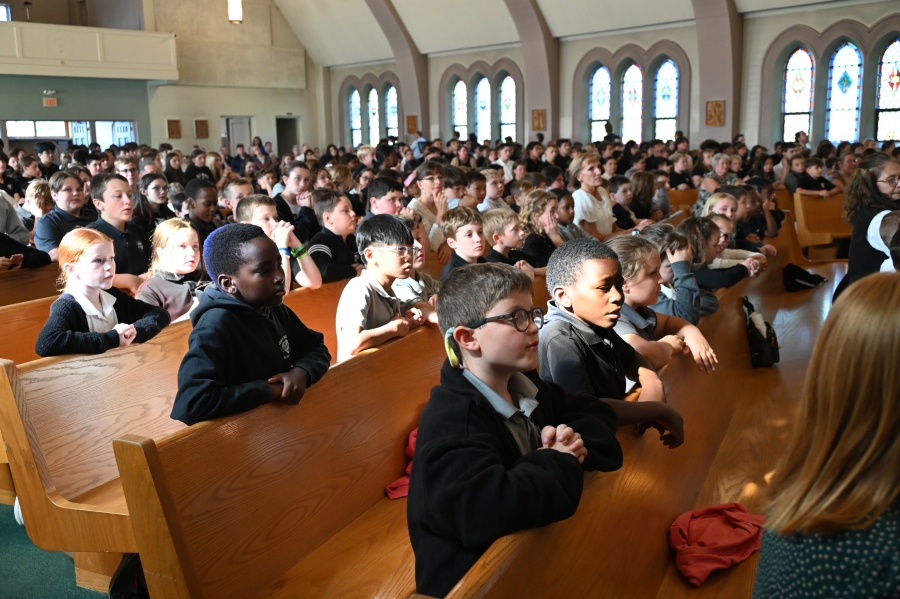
x=235 y=11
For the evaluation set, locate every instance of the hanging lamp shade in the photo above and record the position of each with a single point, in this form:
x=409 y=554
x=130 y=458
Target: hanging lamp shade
x=235 y=11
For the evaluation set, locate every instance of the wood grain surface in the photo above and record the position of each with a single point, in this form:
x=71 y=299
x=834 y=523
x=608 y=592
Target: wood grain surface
x=22 y=323
x=28 y=284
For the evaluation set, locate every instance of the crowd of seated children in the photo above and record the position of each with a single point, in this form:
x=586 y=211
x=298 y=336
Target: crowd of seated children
x=368 y=313
x=763 y=219
x=707 y=243
x=419 y=290
x=176 y=274
x=680 y=295
x=334 y=249
x=464 y=233
x=503 y=230
x=479 y=472
x=298 y=265
x=246 y=348
x=655 y=336
x=91 y=316
x=69 y=213
x=539 y=222
x=7 y=179
x=201 y=202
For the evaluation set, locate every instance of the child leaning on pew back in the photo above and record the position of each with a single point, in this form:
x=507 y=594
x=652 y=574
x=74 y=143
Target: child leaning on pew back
x=91 y=316
x=368 y=313
x=656 y=336
x=246 y=348
x=479 y=472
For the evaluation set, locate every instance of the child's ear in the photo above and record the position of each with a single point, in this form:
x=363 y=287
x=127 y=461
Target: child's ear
x=465 y=339
x=98 y=204
x=369 y=254
x=495 y=239
x=561 y=297
x=226 y=284
x=451 y=242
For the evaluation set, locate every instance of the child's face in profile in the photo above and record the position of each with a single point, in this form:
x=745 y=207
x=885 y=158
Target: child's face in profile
x=814 y=171
x=203 y=206
x=259 y=280
x=342 y=220
x=181 y=255
x=643 y=288
x=665 y=270
x=94 y=269
x=519 y=172
x=513 y=235
x=468 y=242
x=478 y=190
x=565 y=212
x=266 y=218
x=494 y=188
x=662 y=183
x=596 y=297
x=390 y=203
x=503 y=346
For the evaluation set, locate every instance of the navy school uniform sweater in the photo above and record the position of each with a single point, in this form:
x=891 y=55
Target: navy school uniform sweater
x=470 y=483
x=234 y=349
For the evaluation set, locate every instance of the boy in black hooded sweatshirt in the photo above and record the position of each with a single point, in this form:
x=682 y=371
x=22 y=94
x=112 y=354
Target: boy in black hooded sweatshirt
x=479 y=472
x=246 y=348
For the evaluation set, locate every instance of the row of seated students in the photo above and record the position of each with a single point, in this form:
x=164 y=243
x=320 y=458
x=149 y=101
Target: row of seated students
x=607 y=324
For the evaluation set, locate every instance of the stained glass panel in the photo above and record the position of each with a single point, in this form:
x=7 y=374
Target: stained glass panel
x=374 y=121
x=667 y=90
x=632 y=103
x=599 y=96
x=483 y=109
x=460 y=110
x=508 y=108
x=798 y=82
x=355 y=119
x=845 y=78
x=390 y=106
x=887 y=115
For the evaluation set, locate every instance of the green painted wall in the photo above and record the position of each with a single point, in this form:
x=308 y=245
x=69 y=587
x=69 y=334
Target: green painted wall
x=80 y=99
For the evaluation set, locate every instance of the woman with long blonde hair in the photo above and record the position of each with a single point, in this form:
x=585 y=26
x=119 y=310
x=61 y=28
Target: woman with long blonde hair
x=834 y=526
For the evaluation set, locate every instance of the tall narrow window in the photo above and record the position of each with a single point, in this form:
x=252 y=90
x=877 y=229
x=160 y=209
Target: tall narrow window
x=887 y=108
x=666 y=97
x=374 y=121
x=600 y=92
x=390 y=112
x=461 y=110
x=81 y=132
x=632 y=103
x=483 y=109
x=844 y=79
x=355 y=119
x=798 y=94
x=508 y=108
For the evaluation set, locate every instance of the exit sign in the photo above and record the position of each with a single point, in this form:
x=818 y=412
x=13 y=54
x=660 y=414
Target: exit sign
x=51 y=102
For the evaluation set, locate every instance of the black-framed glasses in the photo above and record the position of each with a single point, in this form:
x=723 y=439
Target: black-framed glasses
x=401 y=250
x=519 y=319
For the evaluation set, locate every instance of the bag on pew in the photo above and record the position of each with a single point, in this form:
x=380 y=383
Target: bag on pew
x=797 y=279
x=761 y=335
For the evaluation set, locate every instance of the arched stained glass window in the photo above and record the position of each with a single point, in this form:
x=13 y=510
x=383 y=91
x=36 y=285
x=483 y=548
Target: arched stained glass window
x=374 y=120
x=599 y=97
x=483 y=109
x=508 y=108
x=666 y=100
x=798 y=94
x=355 y=119
x=390 y=112
x=460 y=110
x=887 y=107
x=632 y=103
x=844 y=80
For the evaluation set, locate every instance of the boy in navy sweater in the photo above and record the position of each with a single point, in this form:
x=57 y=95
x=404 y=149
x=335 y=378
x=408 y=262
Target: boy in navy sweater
x=246 y=348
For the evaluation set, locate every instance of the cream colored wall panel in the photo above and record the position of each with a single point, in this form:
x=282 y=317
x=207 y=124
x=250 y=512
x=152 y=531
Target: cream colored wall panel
x=579 y=17
x=9 y=41
x=136 y=50
x=282 y=34
x=440 y=27
x=66 y=43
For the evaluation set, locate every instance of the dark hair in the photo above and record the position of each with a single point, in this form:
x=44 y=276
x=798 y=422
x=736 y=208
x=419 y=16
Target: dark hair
x=551 y=173
x=223 y=250
x=616 y=182
x=149 y=178
x=195 y=185
x=198 y=152
x=44 y=146
x=429 y=167
x=894 y=246
x=169 y=157
x=381 y=229
x=536 y=179
x=567 y=262
x=165 y=147
x=380 y=187
x=80 y=156
x=474 y=177
x=470 y=292
x=813 y=162
x=735 y=191
x=98 y=183
x=93 y=158
x=382 y=151
x=454 y=176
x=58 y=178
x=862 y=192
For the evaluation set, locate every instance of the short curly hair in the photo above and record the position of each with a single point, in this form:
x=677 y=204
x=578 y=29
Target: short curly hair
x=222 y=252
x=567 y=262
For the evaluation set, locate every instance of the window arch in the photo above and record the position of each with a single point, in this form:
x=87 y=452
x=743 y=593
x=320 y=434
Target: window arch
x=461 y=110
x=483 y=109
x=508 y=108
x=599 y=95
x=797 y=104
x=887 y=108
x=666 y=100
x=374 y=118
x=844 y=94
x=632 y=103
x=392 y=120
x=355 y=108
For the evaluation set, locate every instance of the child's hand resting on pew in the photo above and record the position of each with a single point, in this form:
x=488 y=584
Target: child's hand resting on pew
x=565 y=440
x=126 y=332
x=288 y=387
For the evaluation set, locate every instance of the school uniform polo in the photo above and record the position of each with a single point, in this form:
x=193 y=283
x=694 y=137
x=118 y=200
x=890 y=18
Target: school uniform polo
x=131 y=246
x=364 y=304
x=517 y=420
x=53 y=226
x=640 y=321
x=582 y=357
x=417 y=288
x=98 y=321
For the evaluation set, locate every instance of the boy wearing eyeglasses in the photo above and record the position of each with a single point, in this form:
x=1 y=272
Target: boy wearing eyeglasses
x=498 y=449
x=368 y=313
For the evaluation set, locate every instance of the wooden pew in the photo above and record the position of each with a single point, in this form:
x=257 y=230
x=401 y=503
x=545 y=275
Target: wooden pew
x=294 y=505
x=737 y=422
x=317 y=309
x=28 y=284
x=785 y=199
x=688 y=196
x=676 y=217
x=824 y=215
x=22 y=323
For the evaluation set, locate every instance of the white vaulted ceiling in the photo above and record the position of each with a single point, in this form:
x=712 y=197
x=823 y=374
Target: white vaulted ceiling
x=577 y=17
x=441 y=26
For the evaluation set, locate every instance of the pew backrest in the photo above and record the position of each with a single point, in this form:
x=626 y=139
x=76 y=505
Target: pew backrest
x=28 y=284
x=223 y=508
x=317 y=308
x=22 y=323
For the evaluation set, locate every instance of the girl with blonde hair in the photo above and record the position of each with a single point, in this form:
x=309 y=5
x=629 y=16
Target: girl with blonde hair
x=834 y=526
x=541 y=226
x=91 y=316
